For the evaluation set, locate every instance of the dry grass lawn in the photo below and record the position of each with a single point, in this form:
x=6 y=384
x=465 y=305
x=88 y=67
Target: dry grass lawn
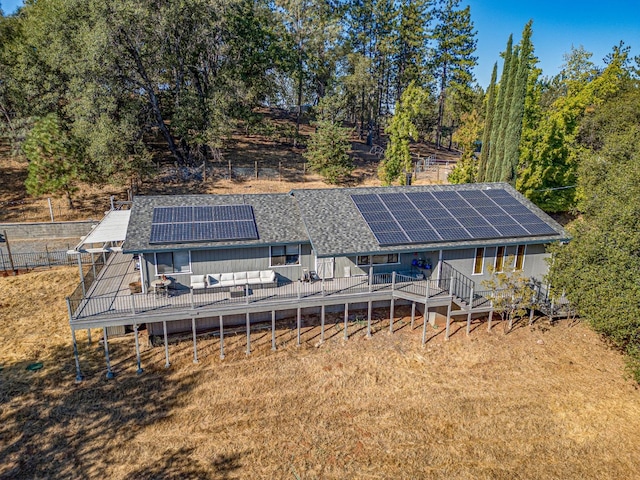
x=542 y=402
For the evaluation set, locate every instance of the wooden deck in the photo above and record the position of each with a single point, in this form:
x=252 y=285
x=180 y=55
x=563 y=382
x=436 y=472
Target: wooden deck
x=109 y=301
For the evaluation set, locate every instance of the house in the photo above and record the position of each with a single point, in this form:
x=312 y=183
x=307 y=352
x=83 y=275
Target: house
x=210 y=261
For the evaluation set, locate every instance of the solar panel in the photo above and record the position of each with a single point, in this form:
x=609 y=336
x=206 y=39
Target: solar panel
x=384 y=226
x=487 y=211
x=482 y=231
x=399 y=218
x=540 y=228
x=162 y=215
x=202 y=223
x=422 y=236
x=517 y=209
x=408 y=214
x=453 y=234
x=463 y=212
x=446 y=195
x=436 y=213
x=372 y=207
x=497 y=193
x=511 y=230
x=472 y=194
x=413 y=224
x=377 y=216
x=203 y=214
x=476 y=221
x=439 y=223
x=526 y=218
x=392 y=238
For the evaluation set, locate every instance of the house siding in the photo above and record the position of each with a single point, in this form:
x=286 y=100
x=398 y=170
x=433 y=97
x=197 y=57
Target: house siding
x=535 y=265
x=236 y=260
x=404 y=265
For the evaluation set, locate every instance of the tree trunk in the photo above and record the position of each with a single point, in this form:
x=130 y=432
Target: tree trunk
x=443 y=86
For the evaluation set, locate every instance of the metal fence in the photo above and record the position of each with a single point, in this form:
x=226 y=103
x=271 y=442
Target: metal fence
x=31 y=260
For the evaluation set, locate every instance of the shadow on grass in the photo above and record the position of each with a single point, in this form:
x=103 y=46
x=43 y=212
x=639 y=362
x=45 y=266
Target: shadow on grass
x=52 y=427
x=180 y=464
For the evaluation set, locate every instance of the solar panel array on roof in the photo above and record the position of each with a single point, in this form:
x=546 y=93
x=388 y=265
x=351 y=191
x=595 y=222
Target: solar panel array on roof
x=203 y=223
x=447 y=216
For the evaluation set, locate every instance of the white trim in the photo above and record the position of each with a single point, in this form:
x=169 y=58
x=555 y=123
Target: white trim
x=504 y=256
x=371 y=264
x=155 y=264
x=299 y=262
x=524 y=256
x=475 y=257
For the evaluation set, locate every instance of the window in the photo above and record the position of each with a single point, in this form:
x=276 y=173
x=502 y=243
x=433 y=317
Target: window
x=519 y=264
x=282 y=255
x=499 y=265
x=367 y=260
x=173 y=262
x=478 y=264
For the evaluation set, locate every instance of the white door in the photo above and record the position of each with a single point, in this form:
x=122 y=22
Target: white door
x=325 y=267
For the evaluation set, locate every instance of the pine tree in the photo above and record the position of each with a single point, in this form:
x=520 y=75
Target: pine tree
x=402 y=128
x=466 y=136
x=497 y=114
x=514 y=125
x=453 y=58
x=411 y=47
x=488 y=121
x=54 y=159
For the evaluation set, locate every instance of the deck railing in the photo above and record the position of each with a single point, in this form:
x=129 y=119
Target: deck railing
x=456 y=282
x=136 y=304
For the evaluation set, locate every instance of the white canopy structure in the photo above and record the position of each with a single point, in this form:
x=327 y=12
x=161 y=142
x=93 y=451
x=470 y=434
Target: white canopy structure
x=109 y=233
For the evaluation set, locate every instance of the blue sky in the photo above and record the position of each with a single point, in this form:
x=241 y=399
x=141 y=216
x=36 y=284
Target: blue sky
x=557 y=25
x=596 y=25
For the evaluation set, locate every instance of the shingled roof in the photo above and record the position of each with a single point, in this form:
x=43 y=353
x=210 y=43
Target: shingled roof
x=277 y=218
x=336 y=227
x=327 y=218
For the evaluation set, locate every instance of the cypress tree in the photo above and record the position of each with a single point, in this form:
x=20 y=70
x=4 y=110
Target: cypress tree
x=514 y=125
x=496 y=175
x=488 y=121
x=495 y=122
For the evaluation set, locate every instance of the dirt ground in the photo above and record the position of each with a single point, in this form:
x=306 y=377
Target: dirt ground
x=548 y=401
x=280 y=163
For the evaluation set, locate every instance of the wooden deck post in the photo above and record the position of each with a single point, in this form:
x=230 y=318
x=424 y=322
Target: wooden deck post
x=369 y=319
x=370 y=279
x=346 y=320
x=322 y=310
x=133 y=305
x=273 y=330
x=137 y=341
x=166 y=344
x=413 y=314
x=424 y=325
x=79 y=376
x=106 y=352
x=490 y=313
x=469 y=314
x=195 y=344
x=248 y=334
x=299 y=322
x=391 y=314
x=84 y=290
x=448 y=327
x=221 y=339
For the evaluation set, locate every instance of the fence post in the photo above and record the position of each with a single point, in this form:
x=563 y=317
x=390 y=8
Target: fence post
x=50 y=209
x=6 y=239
